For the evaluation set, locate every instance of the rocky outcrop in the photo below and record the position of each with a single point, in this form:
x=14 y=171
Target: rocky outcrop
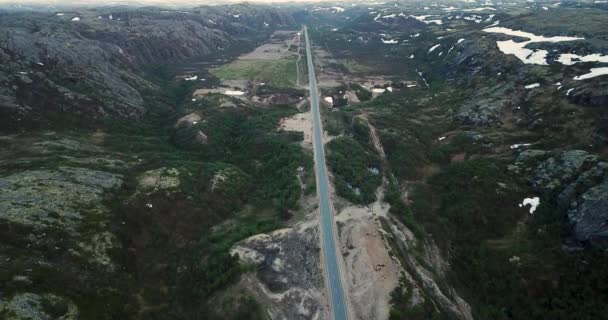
x=61 y=198
x=589 y=215
x=159 y=180
x=32 y=306
x=486 y=106
x=555 y=173
x=578 y=182
x=593 y=94
x=188 y=120
x=289 y=275
x=471 y=57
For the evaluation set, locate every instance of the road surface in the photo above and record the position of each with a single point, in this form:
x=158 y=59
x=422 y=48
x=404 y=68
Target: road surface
x=331 y=251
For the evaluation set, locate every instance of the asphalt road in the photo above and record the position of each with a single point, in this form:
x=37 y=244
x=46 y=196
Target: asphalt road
x=330 y=251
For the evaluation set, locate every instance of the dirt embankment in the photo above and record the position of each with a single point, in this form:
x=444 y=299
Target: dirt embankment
x=371 y=272
x=379 y=256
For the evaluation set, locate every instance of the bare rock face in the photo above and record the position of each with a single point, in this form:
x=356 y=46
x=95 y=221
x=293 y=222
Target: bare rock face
x=288 y=276
x=44 y=199
x=486 y=107
x=188 y=120
x=579 y=182
x=589 y=219
x=591 y=94
x=31 y=306
x=159 y=179
x=553 y=173
x=201 y=138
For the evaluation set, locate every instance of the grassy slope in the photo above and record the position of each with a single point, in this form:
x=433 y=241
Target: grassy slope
x=279 y=73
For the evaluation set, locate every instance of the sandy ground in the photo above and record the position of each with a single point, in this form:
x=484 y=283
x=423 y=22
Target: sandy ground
x=301 y=122
x=276 y=49
x=267 y=51
x=374 y=270
x=371 y=272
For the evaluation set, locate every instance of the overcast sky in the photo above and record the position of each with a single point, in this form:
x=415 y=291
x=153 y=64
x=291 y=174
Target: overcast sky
x=143 y=2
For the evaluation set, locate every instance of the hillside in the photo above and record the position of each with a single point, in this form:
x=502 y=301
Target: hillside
x=158 y=163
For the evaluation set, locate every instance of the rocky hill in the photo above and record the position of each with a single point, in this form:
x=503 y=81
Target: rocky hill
x=492 y=117
x=78 y=67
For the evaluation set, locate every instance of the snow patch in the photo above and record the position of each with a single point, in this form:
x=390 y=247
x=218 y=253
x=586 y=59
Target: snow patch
x=434 y=47
x=518 y=49
x=234 y=93
x=519 y=145
x=532 y=86
x=594 y=72
x=479 y=9
x=571 y=58
x=391 y=41
x=423 y=18
x=533 y=202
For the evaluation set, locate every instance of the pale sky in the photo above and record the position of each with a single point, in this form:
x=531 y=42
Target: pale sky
x=141 y=2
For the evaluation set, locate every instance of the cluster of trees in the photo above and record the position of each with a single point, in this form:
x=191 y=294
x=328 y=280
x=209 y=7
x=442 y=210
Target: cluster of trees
x=509 y=270
x=260 y=166
x=356 y=169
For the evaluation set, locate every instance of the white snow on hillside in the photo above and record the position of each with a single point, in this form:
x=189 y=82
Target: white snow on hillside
x=518 y=49
x=594 y=72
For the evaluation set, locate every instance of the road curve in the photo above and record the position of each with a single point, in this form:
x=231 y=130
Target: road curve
x=333 y=275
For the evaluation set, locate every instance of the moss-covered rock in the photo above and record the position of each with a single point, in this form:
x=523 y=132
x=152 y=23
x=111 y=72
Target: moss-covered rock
x=58 y=198
x=159 y=179
x=31 y=306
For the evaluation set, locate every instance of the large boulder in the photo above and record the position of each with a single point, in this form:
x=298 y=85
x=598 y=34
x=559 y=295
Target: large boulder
x=589 y=216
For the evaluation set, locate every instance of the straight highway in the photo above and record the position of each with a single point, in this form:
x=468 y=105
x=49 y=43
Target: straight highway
x=331 y=251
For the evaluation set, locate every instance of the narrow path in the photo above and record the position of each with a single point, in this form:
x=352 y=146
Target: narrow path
x=331 y=253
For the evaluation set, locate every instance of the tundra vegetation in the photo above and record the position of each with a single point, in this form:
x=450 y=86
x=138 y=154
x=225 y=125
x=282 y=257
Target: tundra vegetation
x=122 y=194
x=452 y=176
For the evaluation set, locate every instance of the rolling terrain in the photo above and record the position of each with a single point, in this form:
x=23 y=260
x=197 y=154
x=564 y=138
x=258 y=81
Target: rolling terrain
x=175 y=163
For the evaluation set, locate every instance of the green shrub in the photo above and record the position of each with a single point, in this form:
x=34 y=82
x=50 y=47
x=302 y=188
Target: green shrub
x=351 y=165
